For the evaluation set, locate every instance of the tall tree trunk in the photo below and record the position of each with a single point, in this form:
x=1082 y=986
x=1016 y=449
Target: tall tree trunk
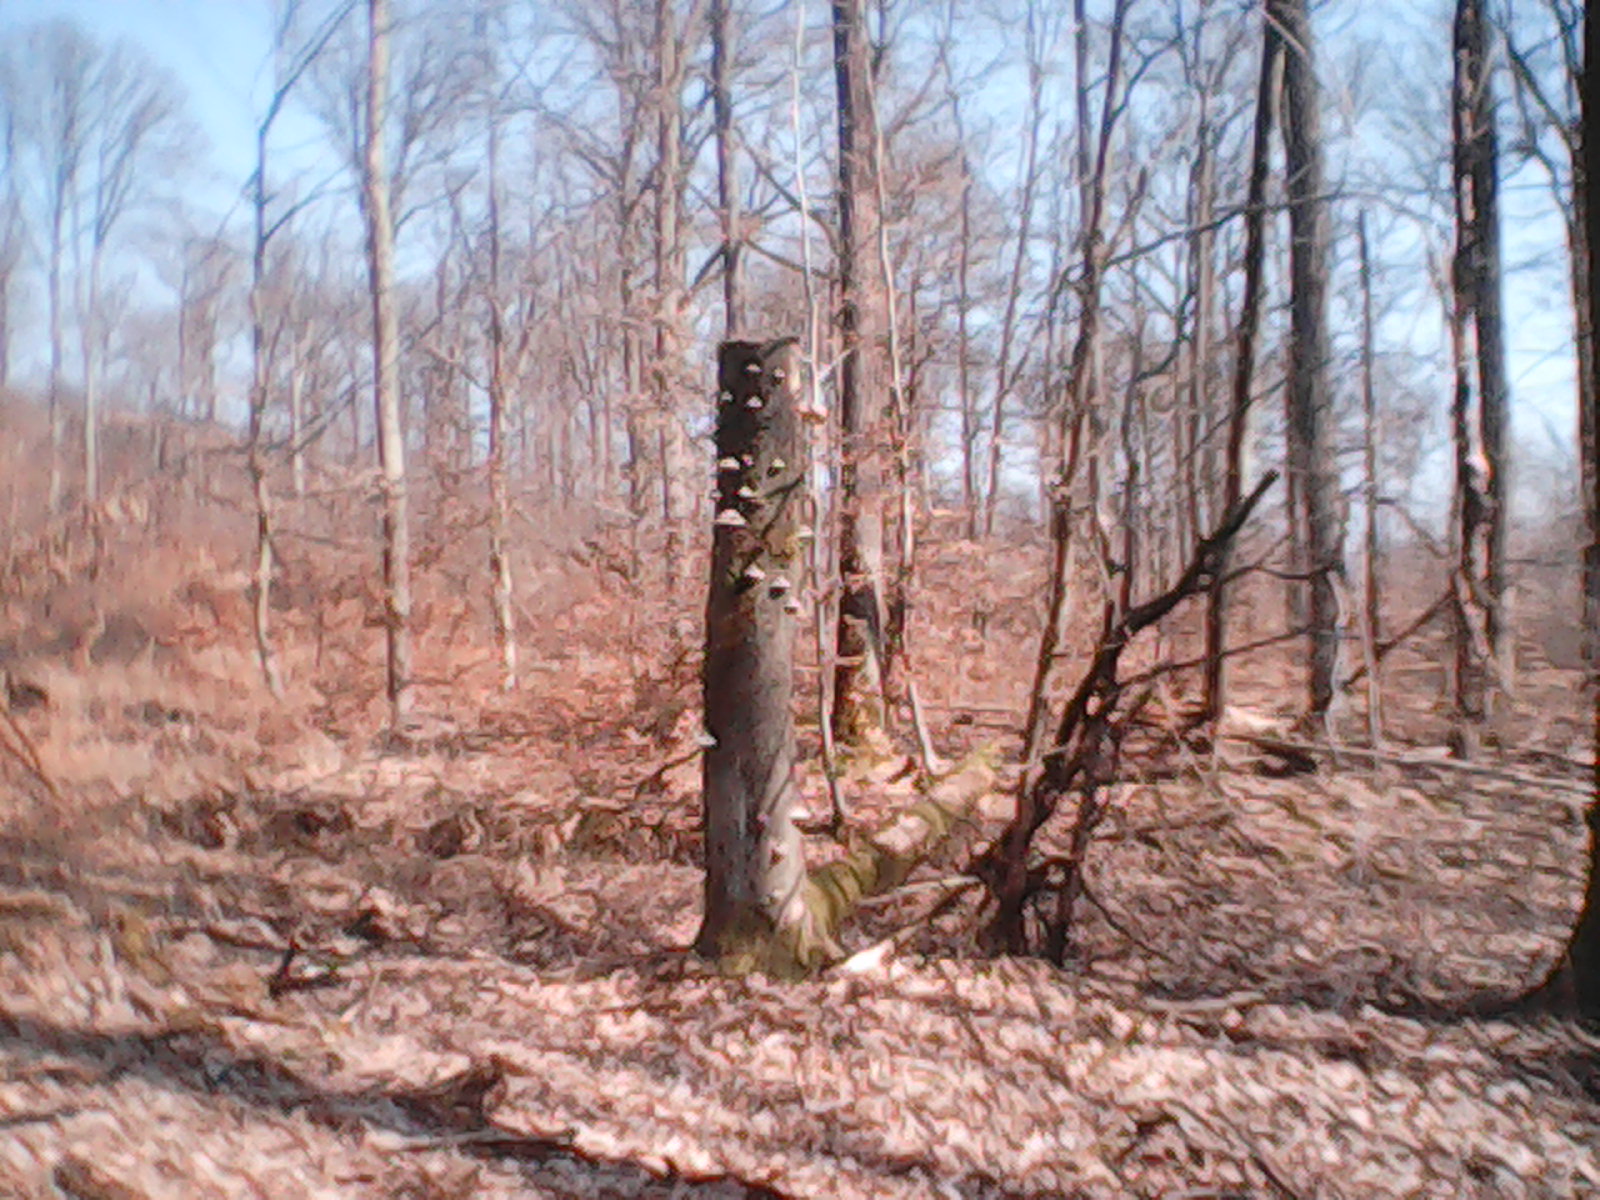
x=1584 y=949
x=1193 y=510
x=1313 y=463
x=386 y=375
x=1371 y=606
x=500 y=579
x=668 y=370
x=727 y=172
x=858 y=709
x=756 y=899
x=1083 y=369
x=57 y=413
x=1244 y=363
x=1479 y=411
x=1008 y=321
x=89 y=330
x=260 y=368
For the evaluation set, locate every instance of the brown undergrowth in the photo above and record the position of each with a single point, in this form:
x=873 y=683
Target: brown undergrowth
x=260 y=949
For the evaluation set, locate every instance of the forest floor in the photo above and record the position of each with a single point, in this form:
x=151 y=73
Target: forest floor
x=257 y=949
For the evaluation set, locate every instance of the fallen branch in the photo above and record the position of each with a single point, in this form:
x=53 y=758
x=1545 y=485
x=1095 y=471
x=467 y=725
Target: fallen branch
x=25 y=752
x=882 y=862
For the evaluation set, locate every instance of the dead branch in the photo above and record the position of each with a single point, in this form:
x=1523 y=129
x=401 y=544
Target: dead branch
x=1086 y=748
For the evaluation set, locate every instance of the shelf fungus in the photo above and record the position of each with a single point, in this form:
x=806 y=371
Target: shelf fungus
x=730 y=463
x=779 y=585
x=731 y=518
x=754 y=574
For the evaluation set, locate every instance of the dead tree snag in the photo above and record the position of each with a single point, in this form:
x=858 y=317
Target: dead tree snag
x=755 y=888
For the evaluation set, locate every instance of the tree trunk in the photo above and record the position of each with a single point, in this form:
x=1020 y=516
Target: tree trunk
x=756 y=913
x=57 y=414
x=500 y=579
x=1313 y=465
x=858 y=710
x=260 y=368
x=1584 y=949
x=1371 y=606
x=386 y=376
x=89 y=324
x=1083 y=370
x=727 y=174
x=1244 y=363
x=1008 y=321
x=1478 y=414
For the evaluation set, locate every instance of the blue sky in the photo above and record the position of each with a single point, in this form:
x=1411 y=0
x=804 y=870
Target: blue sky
x=216 y=48
x=219 y=50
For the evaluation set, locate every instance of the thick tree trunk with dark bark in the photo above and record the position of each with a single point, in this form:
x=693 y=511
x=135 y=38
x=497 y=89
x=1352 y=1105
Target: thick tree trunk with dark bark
x=1479 y=409
x=1313 y=468
x=756 y=911
x=1584 y=950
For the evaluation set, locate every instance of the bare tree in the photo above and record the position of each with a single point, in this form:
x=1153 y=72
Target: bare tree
x=385 y=371
x=133 y=128
x=501 y=598
x=12 y=231
x=1479 y=409
x=1583 y=951
x=1313 y=466
x=50 y=81
x=858 y=674
x=1244 y=363
x=756 y=912
x=1005 y=371
x=722 y=48
x=1371 y=600
x=1081 y=387
x=290 y=64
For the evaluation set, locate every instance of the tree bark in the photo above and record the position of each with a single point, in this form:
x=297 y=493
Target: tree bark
x=1479 y=409
x=500 y=578
x=1584 y=949
x=1008 y=322
x=386 y=376
x=858 y=709
x=1313 y=465
x=1371 y=605
x=1244 y=363
x=260 y=367
x=1082 y=385
x=727 y=171
x=756 y=914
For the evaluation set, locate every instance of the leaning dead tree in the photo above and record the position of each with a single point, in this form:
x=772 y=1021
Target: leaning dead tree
x=763 y=911
x=1083 y=759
